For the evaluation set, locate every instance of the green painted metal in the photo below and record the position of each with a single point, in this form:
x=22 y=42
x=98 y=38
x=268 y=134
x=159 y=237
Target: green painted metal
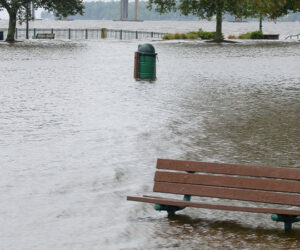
x=171 y=209
x=147 y=62
x=287 y=227
x=146 y=48
x=147 y=67
x=287 y=219
x=1 y=35
x=187 y=197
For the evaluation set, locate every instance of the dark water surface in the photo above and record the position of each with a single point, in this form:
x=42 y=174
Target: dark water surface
x=78 y=134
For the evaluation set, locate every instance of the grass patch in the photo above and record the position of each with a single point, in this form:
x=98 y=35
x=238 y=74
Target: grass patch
x=252 y=35
x=168 y=37
x=183 y=36
x=180 y=36
x=193 y=35
x=177 y=36
x=232 y=37
x=206 y=35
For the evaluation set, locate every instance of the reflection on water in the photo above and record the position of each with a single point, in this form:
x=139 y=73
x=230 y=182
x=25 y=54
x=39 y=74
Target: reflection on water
x=78 y=134
x=193 y=232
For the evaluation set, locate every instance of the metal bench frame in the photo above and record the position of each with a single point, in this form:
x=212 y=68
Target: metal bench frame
x=270 y=185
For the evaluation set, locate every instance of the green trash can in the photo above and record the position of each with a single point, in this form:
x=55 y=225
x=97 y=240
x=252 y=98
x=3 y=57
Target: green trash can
x=145 y=62
x=1 y=35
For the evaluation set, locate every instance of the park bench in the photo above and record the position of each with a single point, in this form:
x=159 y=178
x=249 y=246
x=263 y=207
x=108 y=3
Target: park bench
x=265 y=186
x=45 y=36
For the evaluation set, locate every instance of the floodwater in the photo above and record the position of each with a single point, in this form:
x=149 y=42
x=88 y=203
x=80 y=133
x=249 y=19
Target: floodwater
x=78 y=134
x=284 y=29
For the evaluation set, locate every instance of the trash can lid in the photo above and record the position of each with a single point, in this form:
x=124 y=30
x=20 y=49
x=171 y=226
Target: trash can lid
x=146 y=48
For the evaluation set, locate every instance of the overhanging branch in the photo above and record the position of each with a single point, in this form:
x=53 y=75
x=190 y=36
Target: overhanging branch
x=5 y=5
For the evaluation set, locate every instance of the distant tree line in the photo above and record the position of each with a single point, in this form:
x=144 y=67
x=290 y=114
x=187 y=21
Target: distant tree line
x=98 y=10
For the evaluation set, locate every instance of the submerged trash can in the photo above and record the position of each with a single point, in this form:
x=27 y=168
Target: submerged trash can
x=145 y=62
x=1 y=35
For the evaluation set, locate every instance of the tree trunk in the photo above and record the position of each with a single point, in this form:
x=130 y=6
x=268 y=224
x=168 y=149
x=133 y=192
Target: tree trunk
x=12 y=27
x=260 y=23
x=219 y=36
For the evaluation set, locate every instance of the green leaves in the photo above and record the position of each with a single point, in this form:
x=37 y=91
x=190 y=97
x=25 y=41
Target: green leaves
x=162 y=6
x=272 y=8
x=17 y=9
x=61 y=7
x=201 y=8
x=240 y=8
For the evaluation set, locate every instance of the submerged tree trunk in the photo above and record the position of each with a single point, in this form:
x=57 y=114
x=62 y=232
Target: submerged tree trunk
x=12 y=27
x=219 y=36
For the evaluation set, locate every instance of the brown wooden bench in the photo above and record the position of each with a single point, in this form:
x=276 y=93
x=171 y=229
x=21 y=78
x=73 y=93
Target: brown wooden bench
x=270 y=185
x=45 y=36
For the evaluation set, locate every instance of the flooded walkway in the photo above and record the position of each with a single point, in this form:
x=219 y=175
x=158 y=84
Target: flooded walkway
x=78 y=134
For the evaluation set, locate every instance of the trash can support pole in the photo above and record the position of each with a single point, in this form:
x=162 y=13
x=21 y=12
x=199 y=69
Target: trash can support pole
x=136 y=65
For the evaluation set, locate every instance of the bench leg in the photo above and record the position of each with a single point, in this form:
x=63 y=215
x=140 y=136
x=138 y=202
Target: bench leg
x=171 y=209
x=288 y=227
x=287 y=219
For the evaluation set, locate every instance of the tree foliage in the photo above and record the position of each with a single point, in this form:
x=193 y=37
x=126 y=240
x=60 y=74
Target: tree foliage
x=203 y=9
x=271 y=9
x=240 y=8
x=17 y=10
x=100 y=10
x=62 y=8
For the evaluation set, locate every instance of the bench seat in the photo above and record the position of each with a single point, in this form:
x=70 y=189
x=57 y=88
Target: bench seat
x=256 y=184
x=182 y=203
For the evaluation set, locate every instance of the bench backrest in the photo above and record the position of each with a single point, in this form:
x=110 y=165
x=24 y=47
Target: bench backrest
x=228 y=181
x=45 y=35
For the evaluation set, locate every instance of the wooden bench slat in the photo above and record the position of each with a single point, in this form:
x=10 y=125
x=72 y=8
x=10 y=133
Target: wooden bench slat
x=229 y=181
x=45 y=36
x=175 y=202
x=228 y=193
x=267 y=185
x=230 y=169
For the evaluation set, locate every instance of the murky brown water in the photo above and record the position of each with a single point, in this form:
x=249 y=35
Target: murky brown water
x=78 y=134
